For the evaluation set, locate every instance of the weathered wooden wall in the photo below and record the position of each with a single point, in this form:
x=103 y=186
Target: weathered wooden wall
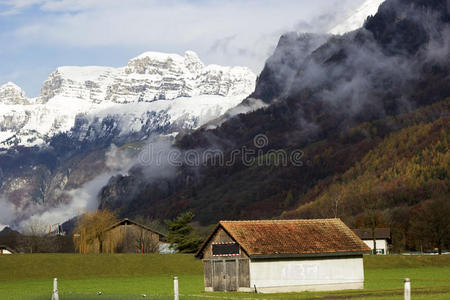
x=225 y=273
x=128 y=238
x=219 y=237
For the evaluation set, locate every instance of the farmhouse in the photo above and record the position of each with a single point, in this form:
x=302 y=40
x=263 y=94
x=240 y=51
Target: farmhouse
x=5 y=250
x=382 y=238
x=127 y=236
x=282 y=256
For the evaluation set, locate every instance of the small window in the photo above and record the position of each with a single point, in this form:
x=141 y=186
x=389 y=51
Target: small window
x=225 y=249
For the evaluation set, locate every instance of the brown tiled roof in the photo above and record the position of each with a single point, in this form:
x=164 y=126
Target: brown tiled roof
x=366 y=233
x=293 y=237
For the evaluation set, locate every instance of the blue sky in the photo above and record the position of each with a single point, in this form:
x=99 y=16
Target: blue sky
x=36 y=36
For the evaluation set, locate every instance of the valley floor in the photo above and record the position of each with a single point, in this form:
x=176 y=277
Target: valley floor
x=130 y=276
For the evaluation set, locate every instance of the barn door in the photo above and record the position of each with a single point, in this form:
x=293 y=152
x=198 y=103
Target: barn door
x=218 y=275
x=225 y=275
x=231 y=275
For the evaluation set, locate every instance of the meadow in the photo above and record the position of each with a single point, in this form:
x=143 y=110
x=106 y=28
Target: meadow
x=128 y=277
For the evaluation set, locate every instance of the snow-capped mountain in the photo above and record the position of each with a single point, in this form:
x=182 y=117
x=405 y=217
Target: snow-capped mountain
x=356 y=18
x=153 y=90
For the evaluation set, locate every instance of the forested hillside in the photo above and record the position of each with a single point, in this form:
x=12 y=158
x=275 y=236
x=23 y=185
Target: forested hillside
x=389 y=185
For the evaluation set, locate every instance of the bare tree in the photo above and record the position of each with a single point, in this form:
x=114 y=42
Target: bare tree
x=36 y=238
x=337 y=195
x=430 y=222
x=147 y=242
x=372 y=215
x=90 y=231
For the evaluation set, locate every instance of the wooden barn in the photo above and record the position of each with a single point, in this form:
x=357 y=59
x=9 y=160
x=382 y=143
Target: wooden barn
x=127 y=236
x=283 y=256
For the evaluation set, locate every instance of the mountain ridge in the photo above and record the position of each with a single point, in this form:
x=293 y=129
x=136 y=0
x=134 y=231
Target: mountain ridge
x=92 y=91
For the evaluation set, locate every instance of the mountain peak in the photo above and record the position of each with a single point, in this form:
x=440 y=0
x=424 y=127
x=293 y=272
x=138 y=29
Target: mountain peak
x=12 y=94
x=356 y=18
x=192 y=61
x=160 y=56
x=154 y=62
x=10 y=85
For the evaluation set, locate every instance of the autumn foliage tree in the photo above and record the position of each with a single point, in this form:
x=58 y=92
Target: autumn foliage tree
x=90 y=230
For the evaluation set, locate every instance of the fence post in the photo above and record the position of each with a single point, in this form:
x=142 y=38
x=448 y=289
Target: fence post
x=55 y=295
x=175 y=288
x=407 y=282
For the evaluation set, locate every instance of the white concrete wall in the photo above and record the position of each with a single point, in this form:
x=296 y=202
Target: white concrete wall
x=381 y=244
x=314 y=274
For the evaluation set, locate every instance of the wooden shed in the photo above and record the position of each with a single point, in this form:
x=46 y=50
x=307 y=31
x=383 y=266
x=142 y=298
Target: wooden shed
x=282 y=256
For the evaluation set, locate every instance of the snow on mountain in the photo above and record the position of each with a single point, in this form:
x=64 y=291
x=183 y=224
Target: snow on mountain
x=174 y=89
x=150 y=76
x=356 y=19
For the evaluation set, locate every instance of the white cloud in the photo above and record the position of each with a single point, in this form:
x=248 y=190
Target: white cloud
x=7 y=212
x=82 y=200
x=225 y=32
x=45 y=34
x=85 y=198
x=16 y=6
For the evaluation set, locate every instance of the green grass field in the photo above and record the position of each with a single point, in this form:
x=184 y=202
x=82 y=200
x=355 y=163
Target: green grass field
x=127 y=277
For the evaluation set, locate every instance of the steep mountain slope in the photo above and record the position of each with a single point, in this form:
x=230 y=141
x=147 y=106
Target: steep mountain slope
x=319 y=94
x=55 y=143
